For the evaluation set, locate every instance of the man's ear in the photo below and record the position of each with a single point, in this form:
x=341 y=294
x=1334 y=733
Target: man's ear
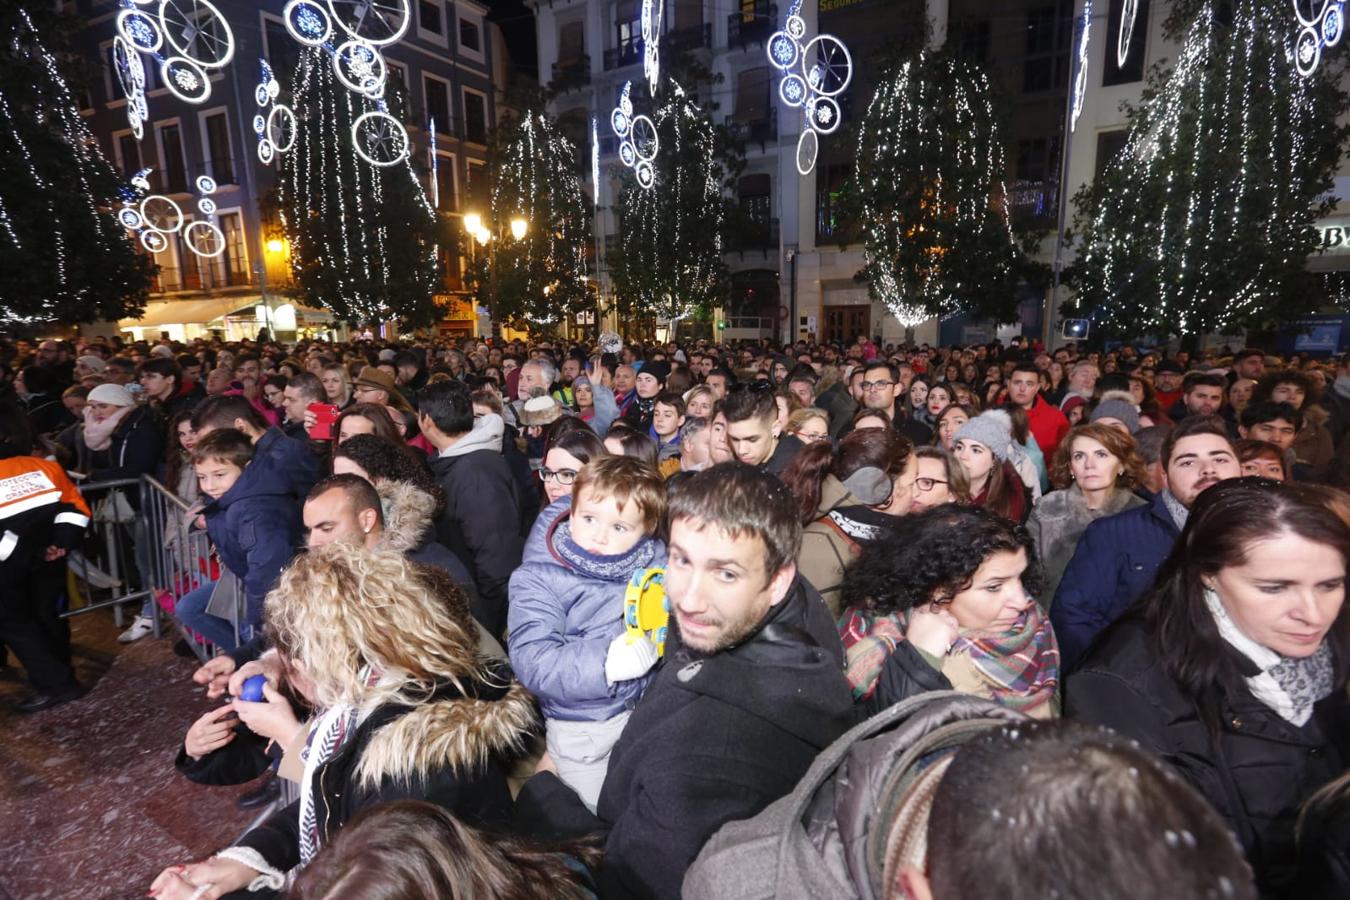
x=367 y=519
x=781 y=583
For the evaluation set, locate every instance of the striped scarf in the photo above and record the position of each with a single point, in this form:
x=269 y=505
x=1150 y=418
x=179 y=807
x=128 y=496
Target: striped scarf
x=1018 y=668
x=325 y=739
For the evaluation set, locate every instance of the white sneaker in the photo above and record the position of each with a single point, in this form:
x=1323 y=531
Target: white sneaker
x=139 y=629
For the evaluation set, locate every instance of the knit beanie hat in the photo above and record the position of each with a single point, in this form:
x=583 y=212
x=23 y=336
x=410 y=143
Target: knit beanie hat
x=540 y=411
x=112 y=394
x=93 y=363
x=163 y=350
x=993 y=429
x=658 y=369
x=1117 y=405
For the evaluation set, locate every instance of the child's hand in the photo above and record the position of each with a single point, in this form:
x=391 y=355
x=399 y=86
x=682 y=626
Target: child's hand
x=626 y=661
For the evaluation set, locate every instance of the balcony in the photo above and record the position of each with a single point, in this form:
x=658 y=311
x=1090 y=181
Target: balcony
x=571 y=74
x=752 y=26
x=695 y=37
x=752 y=235
x=629 y=53
x=755 y=132
x=1031 y=201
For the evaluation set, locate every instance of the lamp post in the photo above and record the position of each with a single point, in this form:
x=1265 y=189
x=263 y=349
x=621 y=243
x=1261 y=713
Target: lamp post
x=484 y=236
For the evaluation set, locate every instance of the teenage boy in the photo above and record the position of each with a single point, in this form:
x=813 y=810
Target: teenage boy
x=667 y=420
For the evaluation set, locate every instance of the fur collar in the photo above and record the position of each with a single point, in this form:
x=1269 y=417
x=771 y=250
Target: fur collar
x=408 y=512
x=460 y=733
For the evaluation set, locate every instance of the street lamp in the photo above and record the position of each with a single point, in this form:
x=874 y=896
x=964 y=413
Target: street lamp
x=483 y=233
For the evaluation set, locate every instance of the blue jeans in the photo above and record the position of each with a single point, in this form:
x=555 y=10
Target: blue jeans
x=191 y=612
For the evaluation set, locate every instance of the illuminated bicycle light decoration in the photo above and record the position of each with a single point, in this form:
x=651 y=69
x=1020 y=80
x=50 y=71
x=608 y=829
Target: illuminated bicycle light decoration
x=188 y=39
x=361 y=68
x=1129 y=11
x=380 y=139
x=308 y=22
x=276 y=127
x=1321 y=25
x=815 y=72
x=638 y=142
x=652 y=11
x=138 y=28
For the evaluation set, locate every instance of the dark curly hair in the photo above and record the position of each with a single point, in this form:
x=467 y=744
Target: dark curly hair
x=1312 y=394
x=385 y=461
x=932 y=556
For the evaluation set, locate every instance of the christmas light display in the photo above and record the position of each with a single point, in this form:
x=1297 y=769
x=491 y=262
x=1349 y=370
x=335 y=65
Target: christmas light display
x=930 y=166
x=188 y=38
x=1081 y=73
x=639 y=142
x=64 y=252
x=1129 y=11
x=652 y=11
x=541 y=277
x=308 y=22
x=275 y=127
x=1204 y=220
x=595 y=163
x=1321 y=24
x=826 y=70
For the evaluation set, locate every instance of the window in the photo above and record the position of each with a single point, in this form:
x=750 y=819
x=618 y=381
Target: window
x=128 y=151
x=189 y=265
x=437 y=94
x=1049 y=32
x=1133 y=70
x=972 y=39
x=231 y=267
x=830 y=198
x=571 y=44
x=283 y=53
x=173 y=165
x=398 y=73
x=1037 y=159
x=469 y=37
x=752 y=94
x=628 y=31
x=478 y=186
x=754 y=194
x=429 y=16
x=1110 y=144
x=217 y=131
x=443 y=172
x=475 y=117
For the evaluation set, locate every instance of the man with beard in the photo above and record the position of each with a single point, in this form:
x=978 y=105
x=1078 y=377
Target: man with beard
x=751 y=690
x=1118 y=556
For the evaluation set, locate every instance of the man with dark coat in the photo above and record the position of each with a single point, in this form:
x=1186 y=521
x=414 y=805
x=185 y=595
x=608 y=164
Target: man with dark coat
x=750 y=691
x=481 y=520
x=1118 y=556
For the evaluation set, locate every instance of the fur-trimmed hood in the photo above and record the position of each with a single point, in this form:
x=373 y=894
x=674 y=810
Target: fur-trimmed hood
x=449 y=732
x=409 y=514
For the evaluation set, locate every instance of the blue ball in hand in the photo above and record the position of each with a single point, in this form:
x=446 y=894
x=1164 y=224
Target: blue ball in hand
x=253 y=689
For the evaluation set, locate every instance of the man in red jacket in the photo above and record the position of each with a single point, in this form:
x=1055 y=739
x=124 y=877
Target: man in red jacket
x=1048 y=424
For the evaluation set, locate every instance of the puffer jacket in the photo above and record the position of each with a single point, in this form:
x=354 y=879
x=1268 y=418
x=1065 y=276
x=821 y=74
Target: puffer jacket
x=819 y=840
x=255 y=527
x=835 y=539
x=1059 y=520
x=1262 y=769
x=561 y=623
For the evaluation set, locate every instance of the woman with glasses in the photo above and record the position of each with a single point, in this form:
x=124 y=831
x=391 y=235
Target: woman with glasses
x=940 y=480
x=1094 y=470
x=847 y=499
x=273 y=392
x=809 y=425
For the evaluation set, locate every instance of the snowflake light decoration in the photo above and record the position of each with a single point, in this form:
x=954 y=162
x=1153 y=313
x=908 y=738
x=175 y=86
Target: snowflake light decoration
x=1321 y=24
x=276 y=127
x=637 y=134
x=826 y=68
x=188 y=38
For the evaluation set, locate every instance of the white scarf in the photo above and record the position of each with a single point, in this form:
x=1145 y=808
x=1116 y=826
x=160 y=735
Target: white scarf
x=98 y=435
x=1287 y=685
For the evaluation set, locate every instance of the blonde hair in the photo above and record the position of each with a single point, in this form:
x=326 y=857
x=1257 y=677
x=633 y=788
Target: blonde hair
x=800 y=417
x=346 y=612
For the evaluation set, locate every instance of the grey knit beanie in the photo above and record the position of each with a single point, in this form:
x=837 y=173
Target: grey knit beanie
x=1117 y=407
x=992 y=428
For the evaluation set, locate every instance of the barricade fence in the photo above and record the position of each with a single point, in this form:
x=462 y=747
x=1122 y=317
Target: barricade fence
x=141 y=549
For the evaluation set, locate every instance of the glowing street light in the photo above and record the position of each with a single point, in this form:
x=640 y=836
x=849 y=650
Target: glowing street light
x=518 y=228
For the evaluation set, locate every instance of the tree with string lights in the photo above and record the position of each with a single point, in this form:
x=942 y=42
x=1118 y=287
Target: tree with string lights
x=542 y=277
x=930 y=192
x=363 y=237
x=668 y=262
x=1205 y=220
x=63 y=255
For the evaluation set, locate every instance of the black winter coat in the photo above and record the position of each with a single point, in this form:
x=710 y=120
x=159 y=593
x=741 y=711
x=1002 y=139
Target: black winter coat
x=1263 y=767
x=715 y=739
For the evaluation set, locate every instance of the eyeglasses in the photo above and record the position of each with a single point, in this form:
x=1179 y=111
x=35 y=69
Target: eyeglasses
x=927 y=484
x=811 y=437
x=876 y=385
x=564 y=477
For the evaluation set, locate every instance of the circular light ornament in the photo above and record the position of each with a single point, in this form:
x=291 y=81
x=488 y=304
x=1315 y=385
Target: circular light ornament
x=142 y=108
x=136 y=123
x=265 y=151
x=161 y=214
x=825 y=115
x=308 y=22
x=827 y=65
x=154 y=241
x=128 y=216
x=646 y=175
x=273 y=88
x=281 y=128
x=260 y=95
x=379 y=139
x=1333 y=25
x=808 y=148
x=1307 y=51
x=139 y=29
x=128 y=66
x=796 y=27
x=627 y=155
x=792 y=89
x=783 y=51
x=206 y=184
x=645 y=142
x=259 y=124
x=377 y=22
x=185 y=79
x=204 y=238
x=197 y=30
x=360 y=67
x=206 y=206
x=620 y=123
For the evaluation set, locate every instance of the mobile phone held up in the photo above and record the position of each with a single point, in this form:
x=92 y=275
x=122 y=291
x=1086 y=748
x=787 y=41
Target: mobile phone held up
x=325 y=417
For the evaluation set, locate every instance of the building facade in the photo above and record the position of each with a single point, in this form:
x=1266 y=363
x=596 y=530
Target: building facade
x=453 y=65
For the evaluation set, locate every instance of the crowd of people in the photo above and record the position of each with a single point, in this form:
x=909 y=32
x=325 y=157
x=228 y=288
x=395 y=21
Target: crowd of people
x=535 y=620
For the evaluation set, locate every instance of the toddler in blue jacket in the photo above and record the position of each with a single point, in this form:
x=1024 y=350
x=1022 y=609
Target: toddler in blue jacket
x=566 y=633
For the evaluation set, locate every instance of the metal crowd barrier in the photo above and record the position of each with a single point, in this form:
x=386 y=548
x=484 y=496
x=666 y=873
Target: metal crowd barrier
x=134 y=555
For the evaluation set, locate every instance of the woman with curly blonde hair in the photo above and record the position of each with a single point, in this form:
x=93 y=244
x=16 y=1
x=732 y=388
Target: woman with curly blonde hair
x=403 y=708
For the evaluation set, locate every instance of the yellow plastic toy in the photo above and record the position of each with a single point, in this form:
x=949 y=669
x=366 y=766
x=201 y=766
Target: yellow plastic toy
x=646 y=611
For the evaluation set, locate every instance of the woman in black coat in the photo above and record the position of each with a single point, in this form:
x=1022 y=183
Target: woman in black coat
x=1233 y=668
x=403 y=709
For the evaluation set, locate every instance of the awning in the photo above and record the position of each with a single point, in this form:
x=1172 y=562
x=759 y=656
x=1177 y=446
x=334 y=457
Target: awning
x=308 y=312
x=182 y=312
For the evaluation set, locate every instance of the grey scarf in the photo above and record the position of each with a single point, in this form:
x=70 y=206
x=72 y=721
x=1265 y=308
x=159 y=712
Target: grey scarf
x=1178 y=512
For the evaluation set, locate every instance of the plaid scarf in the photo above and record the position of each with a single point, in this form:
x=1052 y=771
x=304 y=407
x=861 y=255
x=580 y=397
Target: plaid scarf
x=1018 y=668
